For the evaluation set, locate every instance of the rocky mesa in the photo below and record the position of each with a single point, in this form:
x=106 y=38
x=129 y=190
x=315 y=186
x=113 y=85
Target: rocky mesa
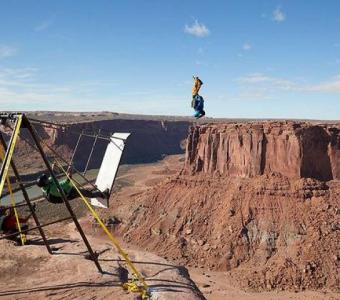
x=259 y=200
x=294 y=150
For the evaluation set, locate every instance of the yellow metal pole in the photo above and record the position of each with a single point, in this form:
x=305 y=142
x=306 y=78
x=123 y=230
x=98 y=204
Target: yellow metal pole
x=9 y=154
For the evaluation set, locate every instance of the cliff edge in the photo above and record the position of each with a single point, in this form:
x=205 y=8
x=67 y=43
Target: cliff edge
x=259 y=200
x=295 y=150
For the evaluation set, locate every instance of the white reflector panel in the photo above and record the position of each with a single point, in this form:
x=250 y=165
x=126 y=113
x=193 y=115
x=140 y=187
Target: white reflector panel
x=109 y=167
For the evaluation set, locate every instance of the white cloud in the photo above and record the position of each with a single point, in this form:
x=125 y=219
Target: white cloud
x=7 y=51
x=260 y=80
x=254 y=78
x=253 y=93
x=44 y=24
x=278 y=15
x=269 y=82
x=197 y=29
x=19 y=87
x=22 y=89
x=247 y=46
x=330 y=86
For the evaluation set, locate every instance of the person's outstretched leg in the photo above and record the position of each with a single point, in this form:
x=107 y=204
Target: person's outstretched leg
x=95 y=193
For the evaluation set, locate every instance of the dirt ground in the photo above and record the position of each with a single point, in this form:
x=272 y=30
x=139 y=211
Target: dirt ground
x=218 y=286
x=214 y=285
x=31 y=273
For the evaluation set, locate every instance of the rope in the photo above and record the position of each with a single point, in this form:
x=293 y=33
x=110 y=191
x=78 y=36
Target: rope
x=132 y=286
x=59 y=156
x=22 y=236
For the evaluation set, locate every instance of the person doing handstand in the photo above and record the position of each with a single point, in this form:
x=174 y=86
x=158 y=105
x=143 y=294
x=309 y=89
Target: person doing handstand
x=197 y=102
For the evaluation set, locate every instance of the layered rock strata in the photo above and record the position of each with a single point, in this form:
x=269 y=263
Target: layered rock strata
x=150 y=140
x=295 y=150
x=260 y=200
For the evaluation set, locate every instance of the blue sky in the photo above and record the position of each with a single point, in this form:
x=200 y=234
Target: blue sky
x=261 y=59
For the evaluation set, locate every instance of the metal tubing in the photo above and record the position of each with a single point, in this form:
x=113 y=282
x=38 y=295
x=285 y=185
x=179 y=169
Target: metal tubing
x=78 y=172
x=68 y=206
x=36 y=220
x=89 y=159
x=74 y=152
x=33 y=200
x=7 y=152
x=61 y=158
x=99 y=137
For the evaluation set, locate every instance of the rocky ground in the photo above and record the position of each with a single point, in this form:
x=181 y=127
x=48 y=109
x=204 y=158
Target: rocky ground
x=265 y=234
x=35 y=269
x=252 y=210
x=29 y=272
x=205 y=246
x=238 y=207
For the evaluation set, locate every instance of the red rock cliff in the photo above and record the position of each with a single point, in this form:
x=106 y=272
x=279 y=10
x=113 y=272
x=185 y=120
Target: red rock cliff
x=241 y=205
x=295 y=150
x=150 y=140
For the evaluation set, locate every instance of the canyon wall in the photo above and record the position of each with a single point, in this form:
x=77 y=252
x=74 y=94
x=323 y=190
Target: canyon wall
x=260 y=200
x=150 y=140
x=295 y=150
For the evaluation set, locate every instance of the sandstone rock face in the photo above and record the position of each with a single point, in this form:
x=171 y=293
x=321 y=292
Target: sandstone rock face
x=260 y=200
x=149 y=141
x=269 y=231
x=295 y=150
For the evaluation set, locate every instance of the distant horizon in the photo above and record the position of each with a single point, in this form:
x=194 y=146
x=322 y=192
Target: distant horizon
x=160 y=115
x=257 y=59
